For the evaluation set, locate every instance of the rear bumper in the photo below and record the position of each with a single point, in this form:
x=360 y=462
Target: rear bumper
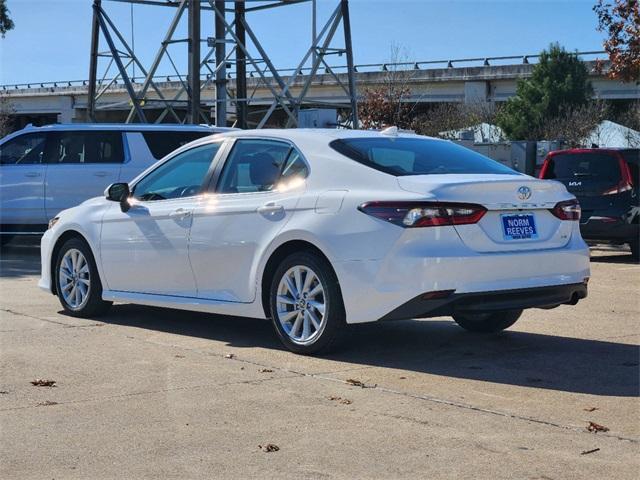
x=371 y=289
x=542 y=297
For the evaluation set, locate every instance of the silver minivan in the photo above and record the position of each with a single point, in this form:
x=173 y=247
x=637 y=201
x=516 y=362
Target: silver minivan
x=44 y=170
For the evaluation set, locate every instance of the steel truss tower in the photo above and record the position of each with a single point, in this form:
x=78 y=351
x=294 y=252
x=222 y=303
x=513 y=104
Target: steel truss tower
x=232 y=45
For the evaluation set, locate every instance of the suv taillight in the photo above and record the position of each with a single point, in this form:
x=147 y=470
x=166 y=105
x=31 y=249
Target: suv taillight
x=545 y=167
x=567 y=210
x=626 y=181
x=424 y=214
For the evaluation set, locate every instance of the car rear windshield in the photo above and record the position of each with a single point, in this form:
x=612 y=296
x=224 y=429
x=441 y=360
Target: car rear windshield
x=600 y=166
x=162 y=143
x=403 y=156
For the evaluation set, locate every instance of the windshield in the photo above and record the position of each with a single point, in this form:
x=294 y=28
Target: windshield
x=417 y=156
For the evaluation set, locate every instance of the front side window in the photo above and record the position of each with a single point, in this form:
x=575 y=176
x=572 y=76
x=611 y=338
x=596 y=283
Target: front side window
x=258 y=165
x=23 y=150
x=182 y=176
x=417 y=156
x=85 y=147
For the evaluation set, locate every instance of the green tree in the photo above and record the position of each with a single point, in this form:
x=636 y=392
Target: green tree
x=559 y=81
x=6 y=23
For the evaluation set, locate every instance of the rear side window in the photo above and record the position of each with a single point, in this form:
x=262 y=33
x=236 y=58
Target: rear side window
x=162 y=144
x=258 y=165
x=599 y=166
x=84 y=147
x=23 y=150
x=417 y=156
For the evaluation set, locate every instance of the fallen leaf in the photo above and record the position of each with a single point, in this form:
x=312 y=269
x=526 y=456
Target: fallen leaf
x=265 y=370
x=402 y=378
x=38 y=382
x=344 y=401
x=241 y=368
x=269 y=447
x=46 y=403
x=594 y=427
x=229 y=355
x=587 y=452
x=591 y=409
x=358 y=383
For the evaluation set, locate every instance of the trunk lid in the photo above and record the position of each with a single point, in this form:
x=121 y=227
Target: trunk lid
x=508 y=199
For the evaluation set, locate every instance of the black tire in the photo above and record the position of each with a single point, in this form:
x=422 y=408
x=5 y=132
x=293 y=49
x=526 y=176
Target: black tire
x=93 y=306
x=487 y=322
x=635 y=250
x=332 y=323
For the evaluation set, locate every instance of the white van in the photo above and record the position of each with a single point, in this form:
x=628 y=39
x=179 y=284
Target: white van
x=44 y=170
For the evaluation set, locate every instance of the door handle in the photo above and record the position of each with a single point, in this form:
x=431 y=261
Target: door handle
x=180 y=213
x=101 y=174
x=32 y=174
x=270 y=208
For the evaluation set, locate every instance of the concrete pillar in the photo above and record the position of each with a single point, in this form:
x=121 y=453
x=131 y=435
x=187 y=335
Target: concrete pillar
x=476 y=91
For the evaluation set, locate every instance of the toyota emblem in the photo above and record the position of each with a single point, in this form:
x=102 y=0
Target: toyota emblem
x=524 y=193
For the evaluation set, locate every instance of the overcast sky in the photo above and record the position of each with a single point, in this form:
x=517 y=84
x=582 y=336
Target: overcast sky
x=51 y=38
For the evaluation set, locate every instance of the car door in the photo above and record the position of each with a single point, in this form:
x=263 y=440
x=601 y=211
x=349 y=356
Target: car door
x=80 y=165
x=145 y=249
x=22 y=174
x=255 y=195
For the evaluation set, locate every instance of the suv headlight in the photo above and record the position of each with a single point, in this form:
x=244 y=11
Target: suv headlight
x=53 y=221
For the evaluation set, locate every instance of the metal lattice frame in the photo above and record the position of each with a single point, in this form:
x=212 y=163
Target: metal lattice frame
x=234 y=40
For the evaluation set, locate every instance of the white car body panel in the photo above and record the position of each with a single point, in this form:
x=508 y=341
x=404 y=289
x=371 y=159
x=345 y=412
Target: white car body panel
x=150 y=242
x=248 y=220
x=219 y=261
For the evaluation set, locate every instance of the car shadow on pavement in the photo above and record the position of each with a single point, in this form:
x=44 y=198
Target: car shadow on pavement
x=437 y=347
x=20 y=258
x=620 y=259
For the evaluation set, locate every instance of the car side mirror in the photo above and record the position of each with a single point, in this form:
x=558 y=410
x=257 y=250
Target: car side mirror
x=119 y=192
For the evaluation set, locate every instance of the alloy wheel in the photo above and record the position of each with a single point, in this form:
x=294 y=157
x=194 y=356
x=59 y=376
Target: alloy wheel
x=300 y=305
x=74 y=278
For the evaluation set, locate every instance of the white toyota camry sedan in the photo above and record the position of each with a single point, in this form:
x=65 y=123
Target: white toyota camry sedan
x=317 y=229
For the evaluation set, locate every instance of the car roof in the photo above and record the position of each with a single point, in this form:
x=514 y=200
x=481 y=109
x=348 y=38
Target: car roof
x=593 y=150
x=316 y=134
x=127 y=127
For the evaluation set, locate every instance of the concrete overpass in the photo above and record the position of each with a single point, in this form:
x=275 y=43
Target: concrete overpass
x=66 y=102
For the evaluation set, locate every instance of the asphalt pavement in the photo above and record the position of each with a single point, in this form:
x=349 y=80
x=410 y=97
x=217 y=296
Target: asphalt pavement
x=150 y=393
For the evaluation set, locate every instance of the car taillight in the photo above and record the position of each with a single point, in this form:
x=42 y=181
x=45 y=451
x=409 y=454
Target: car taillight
x=424 y=214
x=626 y=181
x=567 y=210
